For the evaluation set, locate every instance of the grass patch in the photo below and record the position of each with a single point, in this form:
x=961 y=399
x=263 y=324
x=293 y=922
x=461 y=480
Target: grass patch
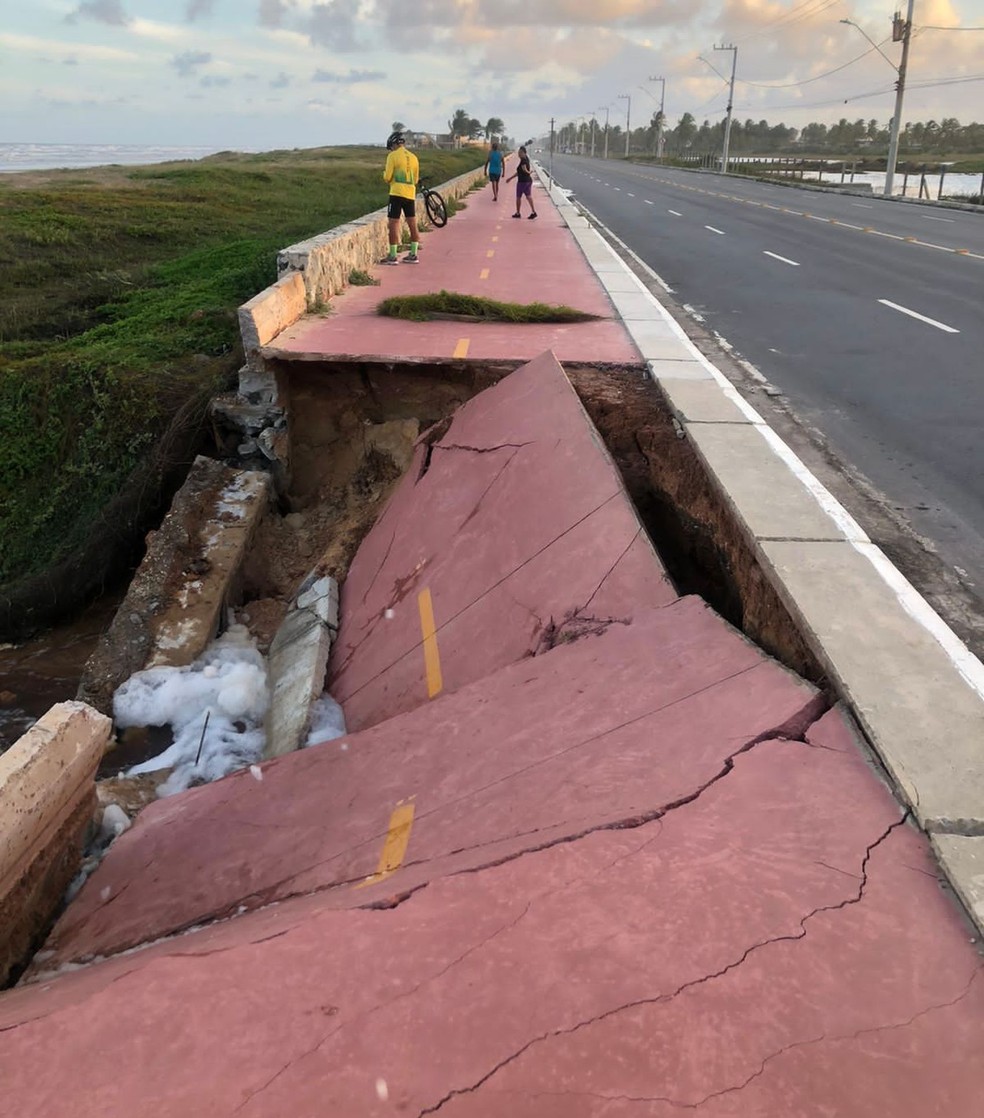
x=476 y=308
x=118 y=296
x=359 y=278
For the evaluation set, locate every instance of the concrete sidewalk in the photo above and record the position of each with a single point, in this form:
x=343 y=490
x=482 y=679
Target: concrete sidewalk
x=587 y=850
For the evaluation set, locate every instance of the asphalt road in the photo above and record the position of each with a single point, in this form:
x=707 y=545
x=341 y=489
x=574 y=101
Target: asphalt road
x=867 y=314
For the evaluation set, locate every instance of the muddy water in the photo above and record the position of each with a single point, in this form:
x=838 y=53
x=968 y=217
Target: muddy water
x=46 y=670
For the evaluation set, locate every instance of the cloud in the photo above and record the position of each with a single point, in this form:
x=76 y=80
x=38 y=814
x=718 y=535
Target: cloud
x=102 y=11
x=281 y=81
x=210 y=80
x=333 y=24
x=198 y=8
x=351 y=78
x=25 y=43
x=187 y=63
x=272 y=12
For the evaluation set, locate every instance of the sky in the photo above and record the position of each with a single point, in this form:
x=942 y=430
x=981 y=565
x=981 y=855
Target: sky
x=255 y=75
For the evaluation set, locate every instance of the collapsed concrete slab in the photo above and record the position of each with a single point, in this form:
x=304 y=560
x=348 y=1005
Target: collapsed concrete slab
x=508 y=525
x=604 y=731
x=776 y=945
x=188 y=577
x=47 y=801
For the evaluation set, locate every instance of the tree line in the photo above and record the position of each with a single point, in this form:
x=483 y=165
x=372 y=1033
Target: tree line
x=467 y=126
x=932 y=137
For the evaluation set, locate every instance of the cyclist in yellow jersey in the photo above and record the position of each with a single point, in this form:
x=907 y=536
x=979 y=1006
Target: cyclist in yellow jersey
x=402 y=173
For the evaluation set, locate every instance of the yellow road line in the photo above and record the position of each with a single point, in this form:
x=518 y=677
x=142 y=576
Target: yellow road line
x=394 y=845
x=461 y=349
x=483 y=274
x=432 y=658
x=490 y=253
x=494 y=239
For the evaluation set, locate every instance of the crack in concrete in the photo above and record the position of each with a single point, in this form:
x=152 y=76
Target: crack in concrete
x=680 y=1104
x=481 y=449
x=660 y=998
x=610 y=570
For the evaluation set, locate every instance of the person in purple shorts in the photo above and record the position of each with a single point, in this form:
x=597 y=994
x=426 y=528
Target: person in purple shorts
x=524 y=184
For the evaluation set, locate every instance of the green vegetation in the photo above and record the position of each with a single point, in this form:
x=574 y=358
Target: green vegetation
x=118 y=296
x=450 y=304
x=359 y=278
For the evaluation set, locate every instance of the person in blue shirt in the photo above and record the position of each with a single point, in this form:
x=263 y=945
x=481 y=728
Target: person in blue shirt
x=494 y=166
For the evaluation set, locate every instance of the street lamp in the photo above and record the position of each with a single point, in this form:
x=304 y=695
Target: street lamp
x=903 y=31
x=659 y=127
x=628 y=108
x=607 y=110
x=731 y=98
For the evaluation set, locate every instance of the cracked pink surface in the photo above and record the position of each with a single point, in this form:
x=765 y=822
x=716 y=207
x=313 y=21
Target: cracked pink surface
x=524 y=521
x=609 y=729
x=534 y=262
x=778 y=946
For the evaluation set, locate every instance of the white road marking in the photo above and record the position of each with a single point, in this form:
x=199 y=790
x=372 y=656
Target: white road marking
x=862 y=206
x=674 y=212
x=720 y=232
x=948 y=220
x=646 y=200
x=784 y=259
x=619 y=189
x=922 y=318
x=631 y=195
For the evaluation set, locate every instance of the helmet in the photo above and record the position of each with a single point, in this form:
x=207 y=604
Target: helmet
x=396 y=138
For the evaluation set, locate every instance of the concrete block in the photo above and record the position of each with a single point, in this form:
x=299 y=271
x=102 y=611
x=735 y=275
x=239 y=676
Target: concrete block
x=297 y=664
x=689 y=369
x=962 y=859
x=321 y=598
x=273 y=310
x=188 y=576
x=620 y=281
x=635 y=305
x=657 y=340
x=920 y=714
x=702 y=400
x=47 y=800
x=758 y=486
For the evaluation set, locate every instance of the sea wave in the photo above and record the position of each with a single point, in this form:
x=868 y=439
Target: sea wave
x=46 y=157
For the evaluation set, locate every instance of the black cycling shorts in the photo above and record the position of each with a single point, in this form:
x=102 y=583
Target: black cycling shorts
x=401 y=206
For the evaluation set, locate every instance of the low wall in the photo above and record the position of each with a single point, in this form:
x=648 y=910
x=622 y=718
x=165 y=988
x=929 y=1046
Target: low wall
x=48 y=793
x=314 y=270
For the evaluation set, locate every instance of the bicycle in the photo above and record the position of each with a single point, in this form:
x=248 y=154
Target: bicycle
x=434 y=205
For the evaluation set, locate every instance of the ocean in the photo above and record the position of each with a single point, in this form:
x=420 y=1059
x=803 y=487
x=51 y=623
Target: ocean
x=46 y=157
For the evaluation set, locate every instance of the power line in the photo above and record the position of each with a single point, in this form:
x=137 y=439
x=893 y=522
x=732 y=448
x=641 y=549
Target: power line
x=930 y=27
x=807 y=81
x=806 y=10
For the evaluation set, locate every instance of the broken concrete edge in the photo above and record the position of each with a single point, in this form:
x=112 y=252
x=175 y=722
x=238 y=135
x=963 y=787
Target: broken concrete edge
x=176 y=600
x=47 y=801
x=298 y=663
x=925 y=658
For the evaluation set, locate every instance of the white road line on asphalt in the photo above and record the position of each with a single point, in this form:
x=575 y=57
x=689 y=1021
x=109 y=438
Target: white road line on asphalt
x=619 y=189
x=862 y=206
x=720 y=232
x=784 y=259
x=922 y=318
x=631 y=195
x=948 y=220
x=646 y=200
x=674 y=212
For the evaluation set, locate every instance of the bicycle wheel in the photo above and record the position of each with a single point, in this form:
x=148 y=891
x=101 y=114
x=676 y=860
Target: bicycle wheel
x=436 y=209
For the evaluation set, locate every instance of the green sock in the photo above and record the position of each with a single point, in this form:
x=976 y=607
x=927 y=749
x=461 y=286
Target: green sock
x=392 y=252
x=413 y=247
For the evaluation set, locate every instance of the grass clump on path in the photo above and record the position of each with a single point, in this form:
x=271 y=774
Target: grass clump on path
x=476 y=308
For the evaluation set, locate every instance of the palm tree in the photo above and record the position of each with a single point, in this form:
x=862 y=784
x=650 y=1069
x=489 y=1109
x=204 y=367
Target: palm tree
x=494 y=127
x=398 y=126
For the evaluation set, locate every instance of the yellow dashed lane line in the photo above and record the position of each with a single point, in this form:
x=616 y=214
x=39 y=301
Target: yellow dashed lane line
x=394 y=845
x=432 y=658
x=461 y=349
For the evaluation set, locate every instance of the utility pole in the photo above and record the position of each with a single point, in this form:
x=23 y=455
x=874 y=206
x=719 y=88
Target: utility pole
x=659 y=129
x=551 y=147
x=627 y=98
x=607 y=110
x=903 y=31
x=593 y=131
x=731 y=99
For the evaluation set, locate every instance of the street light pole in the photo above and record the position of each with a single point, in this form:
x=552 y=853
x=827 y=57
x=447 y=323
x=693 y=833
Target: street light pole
x=659 y=129
x=893 y=143
x=593 y=111
x=627 y=98
x=607 y=110
x=731 y=98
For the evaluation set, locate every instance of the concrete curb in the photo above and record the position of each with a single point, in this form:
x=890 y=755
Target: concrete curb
x=915 y=688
